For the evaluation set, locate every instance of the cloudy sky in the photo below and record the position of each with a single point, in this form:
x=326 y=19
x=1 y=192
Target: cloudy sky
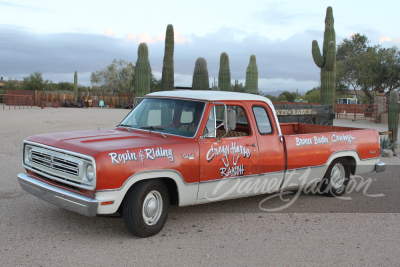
x=60 y=37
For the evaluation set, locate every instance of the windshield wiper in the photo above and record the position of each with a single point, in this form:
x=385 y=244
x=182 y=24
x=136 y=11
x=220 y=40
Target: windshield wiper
x=155 y=129
x=125 y=125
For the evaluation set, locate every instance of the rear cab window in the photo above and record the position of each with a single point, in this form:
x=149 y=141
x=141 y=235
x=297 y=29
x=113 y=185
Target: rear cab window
x=263 y=120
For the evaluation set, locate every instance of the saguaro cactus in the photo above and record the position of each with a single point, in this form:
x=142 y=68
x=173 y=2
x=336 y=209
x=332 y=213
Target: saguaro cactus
x=393 y=114
x=142 y=72
x=200 y=75
x=224 y=75
x=251 y=85
x=76 y=87
x=327 y=62
x=167 y=79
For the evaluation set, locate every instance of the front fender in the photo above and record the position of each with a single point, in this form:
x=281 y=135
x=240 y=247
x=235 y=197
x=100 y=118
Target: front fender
x=187 y=192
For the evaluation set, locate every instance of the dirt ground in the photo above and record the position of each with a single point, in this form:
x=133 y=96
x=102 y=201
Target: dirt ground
x=314 y=231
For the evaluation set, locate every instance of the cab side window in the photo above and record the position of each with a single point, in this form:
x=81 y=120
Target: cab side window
x=211 y=124
x=262 y=119
x=216 y=117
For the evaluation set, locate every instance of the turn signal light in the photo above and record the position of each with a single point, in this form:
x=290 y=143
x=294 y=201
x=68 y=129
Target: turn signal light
x=107 y=203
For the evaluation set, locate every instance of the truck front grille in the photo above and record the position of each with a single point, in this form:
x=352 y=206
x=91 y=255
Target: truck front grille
x=55 y=163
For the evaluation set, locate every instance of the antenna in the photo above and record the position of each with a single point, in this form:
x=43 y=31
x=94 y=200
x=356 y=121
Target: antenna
x=101 y=104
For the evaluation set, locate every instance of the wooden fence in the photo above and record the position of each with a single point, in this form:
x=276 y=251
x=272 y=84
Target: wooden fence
x=88 y=99
x=16 y=101
x=357 y=112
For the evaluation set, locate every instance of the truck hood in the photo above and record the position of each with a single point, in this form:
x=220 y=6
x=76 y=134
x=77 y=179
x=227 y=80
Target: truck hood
x=92 y=143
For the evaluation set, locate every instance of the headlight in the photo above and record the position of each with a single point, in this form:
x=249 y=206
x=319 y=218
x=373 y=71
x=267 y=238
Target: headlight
x=89 y=172
x=30 y=154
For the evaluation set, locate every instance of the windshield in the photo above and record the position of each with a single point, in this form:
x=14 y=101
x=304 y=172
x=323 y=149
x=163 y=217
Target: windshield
x=179 y=117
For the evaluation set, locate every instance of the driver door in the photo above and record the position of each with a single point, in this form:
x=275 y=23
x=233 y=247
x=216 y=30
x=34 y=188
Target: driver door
x=227 y=161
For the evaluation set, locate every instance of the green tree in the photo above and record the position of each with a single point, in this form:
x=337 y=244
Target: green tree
x=34 y=82
x=281 y=98
x=237 y=87
x=52 y=87
x=368 y=68
x=389 y=75
x=288 y=96
x=66 y=86
x=317 y=88
x=11 y=85
x=313 y=97
x=155 y=85
x=116 y=77
x=271 y=97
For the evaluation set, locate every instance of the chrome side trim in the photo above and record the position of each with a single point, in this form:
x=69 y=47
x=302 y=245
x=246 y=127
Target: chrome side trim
x=315 y=166
x=148 y=171
x=230 y=178
x=215 y=180
x=62 y=198
x=240 y=177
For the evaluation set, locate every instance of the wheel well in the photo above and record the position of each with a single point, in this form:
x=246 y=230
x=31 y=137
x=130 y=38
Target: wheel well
x=173 y=191
x=352 y=164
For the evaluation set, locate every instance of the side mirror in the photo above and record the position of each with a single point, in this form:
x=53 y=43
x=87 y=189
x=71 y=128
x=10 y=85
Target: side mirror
x=231 y=119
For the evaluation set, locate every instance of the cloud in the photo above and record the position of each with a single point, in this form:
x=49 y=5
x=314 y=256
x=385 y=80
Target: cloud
x=276 y=14
x=178 y=39
x=287 y=62
x=31 y=8
x=396 y=41
x=143 y=38
x=146 y=38
x=109 y=32
x=385 y=39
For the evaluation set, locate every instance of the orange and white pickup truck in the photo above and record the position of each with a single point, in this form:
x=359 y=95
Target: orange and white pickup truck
x=191 y=147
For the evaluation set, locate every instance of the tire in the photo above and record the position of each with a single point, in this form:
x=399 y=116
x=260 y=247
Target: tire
x=145 y=208
x=336 y=178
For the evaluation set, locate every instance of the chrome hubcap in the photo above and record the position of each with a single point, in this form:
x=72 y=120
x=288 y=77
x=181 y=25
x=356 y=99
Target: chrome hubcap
x=152 y=207
x=337 y=175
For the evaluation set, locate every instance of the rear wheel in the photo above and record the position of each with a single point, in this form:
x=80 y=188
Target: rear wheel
x=146 y=207
x=336 y=178
x=318 y=119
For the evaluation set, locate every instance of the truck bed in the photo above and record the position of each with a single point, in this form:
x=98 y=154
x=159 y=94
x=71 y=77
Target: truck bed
x=301 y=128
x=309 y=145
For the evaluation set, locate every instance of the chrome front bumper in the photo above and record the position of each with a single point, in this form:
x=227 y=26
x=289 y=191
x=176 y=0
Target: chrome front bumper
x=59 y=197
x=380 y=166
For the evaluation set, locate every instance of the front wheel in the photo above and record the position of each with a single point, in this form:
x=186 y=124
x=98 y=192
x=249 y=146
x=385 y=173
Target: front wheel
x=146 y=207
x=336 y=178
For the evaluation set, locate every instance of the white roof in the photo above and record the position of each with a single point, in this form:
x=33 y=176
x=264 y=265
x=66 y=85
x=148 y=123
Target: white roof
x=209 y=95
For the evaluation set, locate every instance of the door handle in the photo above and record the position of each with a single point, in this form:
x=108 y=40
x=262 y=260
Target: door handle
x=253 y=145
